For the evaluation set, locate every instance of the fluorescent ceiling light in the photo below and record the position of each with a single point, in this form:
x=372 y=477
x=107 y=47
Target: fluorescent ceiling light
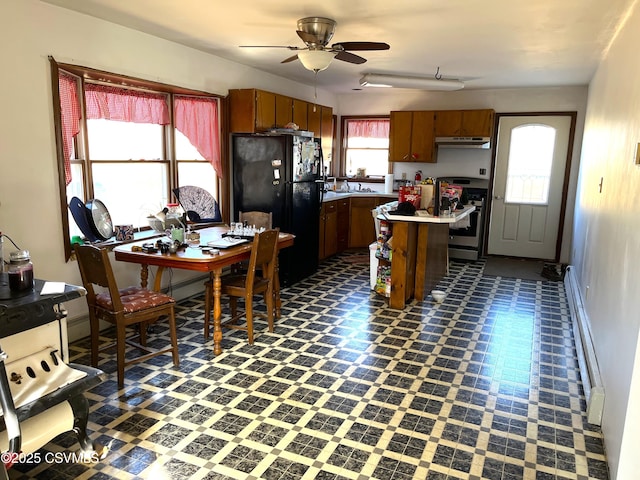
x=397 y=81
x=316 y=60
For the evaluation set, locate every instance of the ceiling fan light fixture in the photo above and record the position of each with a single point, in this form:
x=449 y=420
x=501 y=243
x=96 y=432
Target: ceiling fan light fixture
x=316 y=60
x=420 y=83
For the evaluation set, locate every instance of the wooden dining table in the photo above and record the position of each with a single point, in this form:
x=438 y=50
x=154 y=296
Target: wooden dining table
x=196 y=259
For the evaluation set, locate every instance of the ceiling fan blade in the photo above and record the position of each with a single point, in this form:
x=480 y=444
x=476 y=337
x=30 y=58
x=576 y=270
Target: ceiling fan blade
x=271 y=46
x=361 y=46
x=350 y=57
x=290 y=59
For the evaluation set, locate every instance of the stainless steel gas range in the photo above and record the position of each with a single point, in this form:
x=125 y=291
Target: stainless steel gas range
x=465 y=241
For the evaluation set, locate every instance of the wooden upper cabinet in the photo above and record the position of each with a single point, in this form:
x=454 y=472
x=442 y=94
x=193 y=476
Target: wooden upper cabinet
x=314 y=119
x=265 y=110
x=411 y=136
x=400 y=136
x=326 y=131
x=252 y=110
x=448 y=123
x=300 y=114
x=284 y=110
x=472 y=123
x=422 y=137
x=477 y=123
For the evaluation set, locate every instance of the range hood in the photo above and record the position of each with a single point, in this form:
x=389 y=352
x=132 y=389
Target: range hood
x=462 y=142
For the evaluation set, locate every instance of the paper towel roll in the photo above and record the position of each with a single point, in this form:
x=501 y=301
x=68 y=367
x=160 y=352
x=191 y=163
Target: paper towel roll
x=388 y=183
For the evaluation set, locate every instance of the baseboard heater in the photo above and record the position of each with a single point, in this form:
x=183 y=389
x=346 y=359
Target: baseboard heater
x=589 y=371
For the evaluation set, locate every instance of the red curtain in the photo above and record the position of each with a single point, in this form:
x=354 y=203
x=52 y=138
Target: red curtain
x=113 y=103
x=368 y=128
x=69 y=116
x=197 y=119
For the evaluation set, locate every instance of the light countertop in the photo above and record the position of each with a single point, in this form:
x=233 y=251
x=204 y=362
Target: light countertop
x=426 y=218
x=329 y=196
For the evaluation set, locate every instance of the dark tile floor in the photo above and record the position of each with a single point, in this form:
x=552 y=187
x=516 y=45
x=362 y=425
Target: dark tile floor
x=482 y=386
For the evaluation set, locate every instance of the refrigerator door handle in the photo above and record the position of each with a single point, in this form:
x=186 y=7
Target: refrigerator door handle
x=321 y=193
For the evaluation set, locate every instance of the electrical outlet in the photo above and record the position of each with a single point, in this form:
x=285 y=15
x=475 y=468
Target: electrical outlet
x=483 y=171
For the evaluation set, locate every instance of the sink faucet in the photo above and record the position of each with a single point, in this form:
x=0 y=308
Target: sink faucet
x=359 y=186
x=345 y=185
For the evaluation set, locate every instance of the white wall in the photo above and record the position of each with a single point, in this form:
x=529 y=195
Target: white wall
x=606 y=249
x=469 y=162
x=30 y=31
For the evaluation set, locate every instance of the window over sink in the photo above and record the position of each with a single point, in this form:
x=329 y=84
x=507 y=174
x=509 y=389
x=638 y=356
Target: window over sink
x=365 y=145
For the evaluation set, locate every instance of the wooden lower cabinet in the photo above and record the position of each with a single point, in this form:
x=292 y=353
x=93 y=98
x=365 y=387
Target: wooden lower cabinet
x=328 y=244
x=344 y=216
x=347 y=223
x=362 y=230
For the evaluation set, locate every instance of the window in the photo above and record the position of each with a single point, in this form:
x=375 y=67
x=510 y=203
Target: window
x=529 y=167
x=365 y=142
x=131 y=145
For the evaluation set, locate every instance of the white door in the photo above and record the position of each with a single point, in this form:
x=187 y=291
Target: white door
x=531 y=155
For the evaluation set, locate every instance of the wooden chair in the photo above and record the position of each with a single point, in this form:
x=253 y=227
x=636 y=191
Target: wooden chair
x=258 y=280
x=259 y=219
x=132 y=306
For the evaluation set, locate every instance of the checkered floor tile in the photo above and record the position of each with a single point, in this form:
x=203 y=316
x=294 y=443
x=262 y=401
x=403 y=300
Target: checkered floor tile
x=482 y=386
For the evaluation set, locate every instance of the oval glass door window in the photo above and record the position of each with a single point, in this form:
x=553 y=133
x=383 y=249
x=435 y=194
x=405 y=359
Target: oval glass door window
x=530 y=161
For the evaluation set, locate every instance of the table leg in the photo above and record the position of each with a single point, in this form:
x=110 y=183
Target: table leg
x=217 y=311
x=157 y=285
x=144 y=275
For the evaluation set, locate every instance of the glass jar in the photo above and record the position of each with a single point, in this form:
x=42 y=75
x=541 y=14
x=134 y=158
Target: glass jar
x=20 y=271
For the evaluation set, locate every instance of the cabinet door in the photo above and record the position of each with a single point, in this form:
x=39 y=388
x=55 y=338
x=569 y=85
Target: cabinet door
x=321 y=230
x=242 y=109
x=284 y=110
x=331 y=230
x=422 y=137
x=362 y=230
x=448 y=123
x=265 y=110
x=400 y=136
x=326 y=133
x=343 y=224
x=314 y=119
x=477 y=123
x=300 y=113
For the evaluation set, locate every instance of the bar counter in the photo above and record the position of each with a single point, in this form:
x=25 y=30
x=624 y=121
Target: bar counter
x=419 y=256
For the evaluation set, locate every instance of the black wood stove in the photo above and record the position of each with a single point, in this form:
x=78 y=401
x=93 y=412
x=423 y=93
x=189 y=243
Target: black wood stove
x=41 y=393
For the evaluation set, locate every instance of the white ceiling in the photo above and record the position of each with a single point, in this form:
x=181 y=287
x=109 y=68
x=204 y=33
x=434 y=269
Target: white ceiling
x=487 y=44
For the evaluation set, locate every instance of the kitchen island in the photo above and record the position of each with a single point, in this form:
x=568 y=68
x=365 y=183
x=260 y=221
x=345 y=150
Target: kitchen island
x=419 y=255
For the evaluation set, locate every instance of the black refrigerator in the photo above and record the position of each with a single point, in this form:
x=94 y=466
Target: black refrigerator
x=282 y=174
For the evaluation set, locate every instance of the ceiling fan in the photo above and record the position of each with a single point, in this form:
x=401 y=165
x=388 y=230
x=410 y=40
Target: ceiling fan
x=316 y=32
